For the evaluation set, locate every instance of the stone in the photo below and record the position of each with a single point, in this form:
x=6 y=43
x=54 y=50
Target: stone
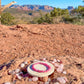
x=30 y=79
x=49 y=79
x=45 y=79
x=35 y=79
x=44 y=59
x=58 y=60
x=64 y=72
x=7 y=83
x=56 y=65
x=56 y=83
x=55 y=60
x=18 y=76
x=17 y=70
x=25 y=62
x=61 y=80
x=46 y=83
x=59 y=70
x=22 y=65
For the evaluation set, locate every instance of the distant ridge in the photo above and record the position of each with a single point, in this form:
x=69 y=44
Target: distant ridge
x=33 y=7
x=36 y=7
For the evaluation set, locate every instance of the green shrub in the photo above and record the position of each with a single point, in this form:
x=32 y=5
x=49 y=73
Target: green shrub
x=7 y=19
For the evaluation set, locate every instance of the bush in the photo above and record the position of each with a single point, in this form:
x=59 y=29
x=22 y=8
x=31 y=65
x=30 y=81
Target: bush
x=47 y=19
x=7 y=19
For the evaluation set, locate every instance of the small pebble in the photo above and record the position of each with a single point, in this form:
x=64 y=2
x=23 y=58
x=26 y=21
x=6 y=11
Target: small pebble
x=61 y=80
x=35 y=78
x=9 y=72
x=17 y=70
x=64 y=72
x=46 y=83
x=59 y=70
x=56 y=83
x=35 y=60
x=56 y=65
x=58 y=60
x=49 y=79
x=44 y=59
x=26 y=62
x=20 y=72
x=22 y=65
x=61 y=66
x=55 y=60
x=18 y=76
x=30 y=79
x=7 y=83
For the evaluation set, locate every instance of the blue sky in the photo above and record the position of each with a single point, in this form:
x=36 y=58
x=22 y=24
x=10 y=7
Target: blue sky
x=54 y=3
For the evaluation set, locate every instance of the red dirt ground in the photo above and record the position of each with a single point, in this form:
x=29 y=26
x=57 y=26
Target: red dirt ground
x=44 y=40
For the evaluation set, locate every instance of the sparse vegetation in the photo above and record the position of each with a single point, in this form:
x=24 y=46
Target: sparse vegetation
x=7 y=19
x=76 y=16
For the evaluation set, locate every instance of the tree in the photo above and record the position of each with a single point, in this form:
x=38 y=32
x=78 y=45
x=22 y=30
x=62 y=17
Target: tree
x=2 y=9
x=54 y=13
x=7 y=18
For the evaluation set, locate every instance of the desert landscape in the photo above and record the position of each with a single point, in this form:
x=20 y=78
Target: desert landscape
x=28 y=42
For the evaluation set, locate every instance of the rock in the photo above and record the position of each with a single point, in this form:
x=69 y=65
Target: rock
x=35 y=79
x=56 y=83
x=61 y=80
x=44 y=59
x=58 y=60
x=54 y=60
x=46 y=83
x=17 y=70
x=49 y=79
x=56 y=65
x=22 y=65
x=19 y=26
x=18 y=76
x=45 y=79
x=9 y=72
x=59 y=70
x=64 y=72
x=25 y=62
x=7 y=83
x=35 y=60
x=30 y=79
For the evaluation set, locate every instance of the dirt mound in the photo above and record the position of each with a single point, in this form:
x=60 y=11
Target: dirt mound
x=64 y=41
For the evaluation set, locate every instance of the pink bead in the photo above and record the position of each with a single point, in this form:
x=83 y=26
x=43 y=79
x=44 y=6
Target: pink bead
x=7 y=83
x=35 y=78
x=18 y=76
x=59 y=70
x=55 y=60
x=61 y=80
x=56 y=65
x=61 y=65
x=44 y=59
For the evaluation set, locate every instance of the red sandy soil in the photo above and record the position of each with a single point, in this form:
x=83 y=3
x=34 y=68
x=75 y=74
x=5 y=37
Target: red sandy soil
x=63 y=41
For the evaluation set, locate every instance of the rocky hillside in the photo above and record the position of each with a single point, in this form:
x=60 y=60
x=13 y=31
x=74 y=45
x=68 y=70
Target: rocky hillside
x=33 y=7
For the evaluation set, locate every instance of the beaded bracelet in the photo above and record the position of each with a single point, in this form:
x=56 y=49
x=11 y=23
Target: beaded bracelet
x=47 y=66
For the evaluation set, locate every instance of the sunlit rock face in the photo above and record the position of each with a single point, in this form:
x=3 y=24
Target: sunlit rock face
x=33 y=7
